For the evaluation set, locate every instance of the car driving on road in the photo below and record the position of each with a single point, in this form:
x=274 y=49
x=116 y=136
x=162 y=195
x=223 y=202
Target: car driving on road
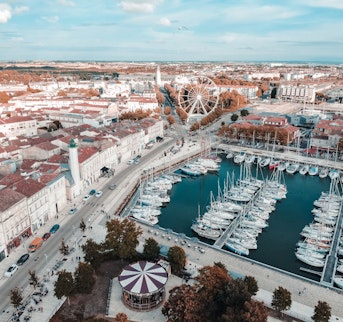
x=46 y=236
x=54 y=228
x=98 y=194
x=23 y=259
x=72 y=211
x=11 y=270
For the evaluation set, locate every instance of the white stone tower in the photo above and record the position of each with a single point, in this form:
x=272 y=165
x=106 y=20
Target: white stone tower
x=158 y=76
x=74 y=167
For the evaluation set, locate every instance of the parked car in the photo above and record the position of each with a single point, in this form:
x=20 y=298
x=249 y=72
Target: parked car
x=98 y=194
x=11 y=270
x=23 y=259
x=72 y=211
x=92 y=192
x=112 y=186
x=86 y=197
x=46 y=236
x=54 y=228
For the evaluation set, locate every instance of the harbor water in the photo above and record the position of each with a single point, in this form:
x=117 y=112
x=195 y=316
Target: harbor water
x=276 y=244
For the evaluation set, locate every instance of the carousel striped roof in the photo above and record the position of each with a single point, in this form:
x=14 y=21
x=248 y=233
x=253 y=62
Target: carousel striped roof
x=143 y=277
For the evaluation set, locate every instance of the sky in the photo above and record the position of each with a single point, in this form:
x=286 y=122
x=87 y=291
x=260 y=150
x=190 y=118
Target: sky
x=172 y=30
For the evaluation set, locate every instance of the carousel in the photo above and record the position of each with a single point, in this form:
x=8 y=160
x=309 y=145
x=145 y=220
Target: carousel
x=143 y=285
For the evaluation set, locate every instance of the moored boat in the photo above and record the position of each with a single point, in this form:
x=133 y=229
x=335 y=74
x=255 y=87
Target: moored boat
x=313 y=171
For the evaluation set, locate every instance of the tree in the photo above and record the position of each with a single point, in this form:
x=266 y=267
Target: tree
x=64 y=248
x=33 y=279
x=214 y=296
x=176 y=258
x=151 y=249
x=182 y=305
x=16 y=297
x=244 y=113
x=322 y=312
x=251 y=283
x=170 y=119
x=84 y=278
x=121 y=317
x=64 y=284
x=281 y=299
x=122 y=238
x=93 y=253
x=82 y=225
x=234 y=117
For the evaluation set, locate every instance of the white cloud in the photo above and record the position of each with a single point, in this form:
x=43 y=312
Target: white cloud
x=165 y=22
x=52 y=19
x=139 y=6
x=21 y=9
x=66 y=3
x=5 y=13
x=260 y=13
x=336 y=4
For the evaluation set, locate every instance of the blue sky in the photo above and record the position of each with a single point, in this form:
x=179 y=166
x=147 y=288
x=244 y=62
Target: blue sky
x=172 y=30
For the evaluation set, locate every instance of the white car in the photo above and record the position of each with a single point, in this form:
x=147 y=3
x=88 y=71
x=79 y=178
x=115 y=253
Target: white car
x=11 y=270
x=98 y=194
x=86 y=197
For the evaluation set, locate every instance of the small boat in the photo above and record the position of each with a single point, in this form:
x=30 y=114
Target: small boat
x=229 y=155
x=313 y=171
x=273 y=164
x=304 y=169
x=309 y=260
x=147 y=219
x=190 y=172
x=292 y=168
x=338 y=280
x=333 y=174
x=264 y=162
x=323 y=172
x=249 y=158
x=205 y=231
x=282 y=166
x=237 y=248
x=240 y=157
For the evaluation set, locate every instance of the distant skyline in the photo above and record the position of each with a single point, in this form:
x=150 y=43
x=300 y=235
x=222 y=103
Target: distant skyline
x=172 y=30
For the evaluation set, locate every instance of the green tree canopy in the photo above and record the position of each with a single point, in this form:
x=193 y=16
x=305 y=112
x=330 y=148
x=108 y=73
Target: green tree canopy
x=64 y=248
x=84 y=278
x=93 y=253
x=234 y=117
x=214 y=296
x=64 y=284
x=322 y=312
x=16 y=297
x=151 y=249
x=251 y=284
x=281 y=299
x=33 y=279
x=177 y=258
x=122 y=238
x=82 y=225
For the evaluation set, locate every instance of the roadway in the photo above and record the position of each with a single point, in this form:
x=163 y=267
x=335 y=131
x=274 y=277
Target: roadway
x=49 y=253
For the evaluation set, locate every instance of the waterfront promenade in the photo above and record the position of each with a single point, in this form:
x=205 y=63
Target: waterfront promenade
x=305 y=293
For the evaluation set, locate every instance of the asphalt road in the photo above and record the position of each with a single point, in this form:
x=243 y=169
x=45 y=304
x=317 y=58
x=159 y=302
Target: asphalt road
x=69 y=224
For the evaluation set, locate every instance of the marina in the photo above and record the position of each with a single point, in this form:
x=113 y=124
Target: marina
x=277 y=243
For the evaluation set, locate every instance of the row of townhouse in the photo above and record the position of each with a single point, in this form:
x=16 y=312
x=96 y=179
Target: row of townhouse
x=38 y=184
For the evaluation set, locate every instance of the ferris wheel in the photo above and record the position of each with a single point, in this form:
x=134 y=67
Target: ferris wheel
x=199 y=97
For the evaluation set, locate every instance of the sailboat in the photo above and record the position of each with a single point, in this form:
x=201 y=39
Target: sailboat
x=304 y=169
x=323 y=172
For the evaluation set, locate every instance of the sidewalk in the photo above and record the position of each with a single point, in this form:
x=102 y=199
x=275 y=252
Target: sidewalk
x=267 y=279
